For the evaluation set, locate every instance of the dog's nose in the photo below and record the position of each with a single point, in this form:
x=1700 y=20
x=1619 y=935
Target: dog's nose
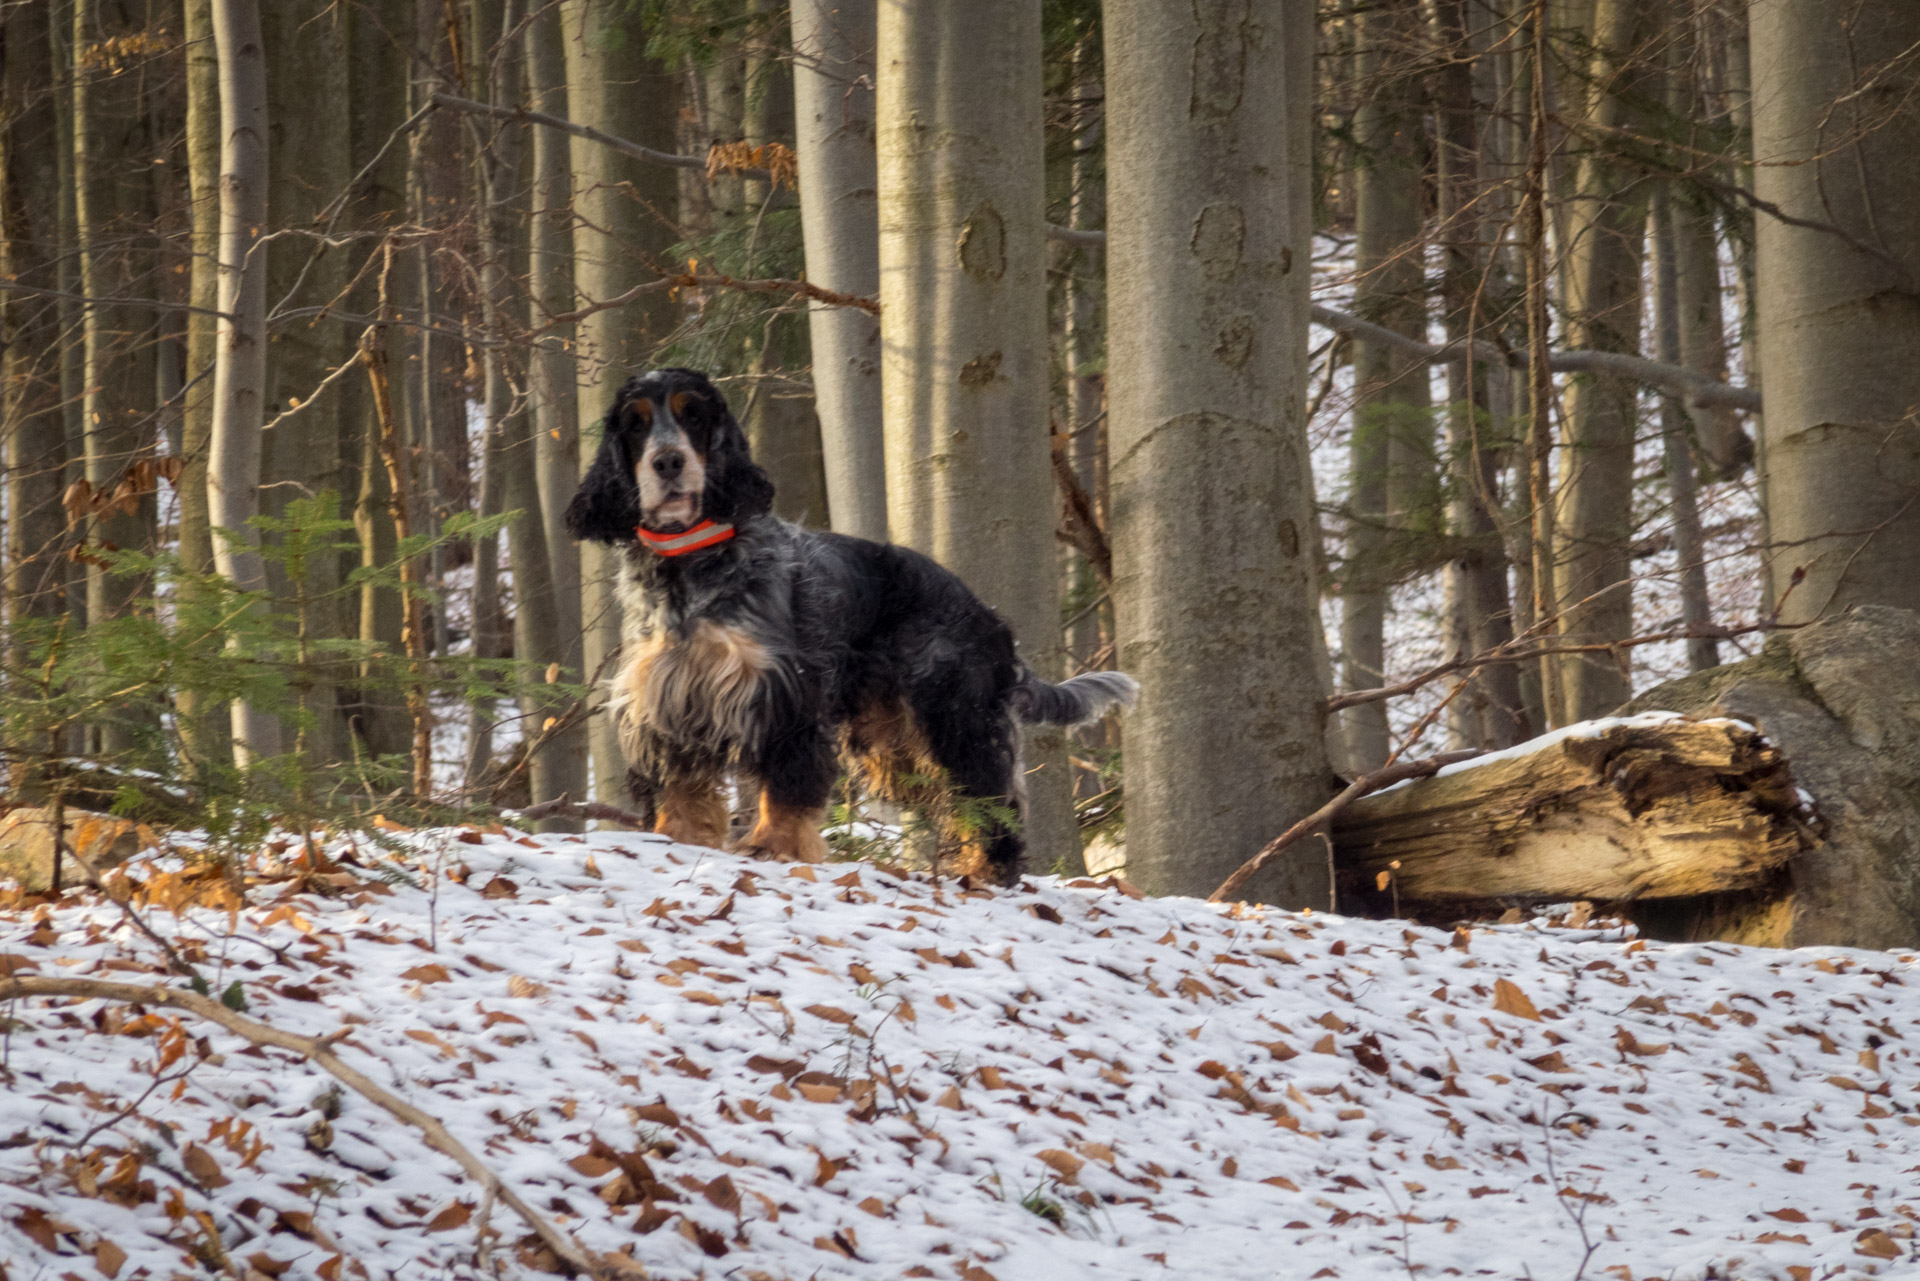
x=668 y=464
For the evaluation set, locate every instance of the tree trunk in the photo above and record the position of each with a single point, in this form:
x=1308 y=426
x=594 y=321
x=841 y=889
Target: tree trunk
x=559 y=767
x=205 y=736
x=1836 y=141
x=962 y=252
x=1595 y=520
x=240 y=362
x=1392 y=429
x=624 y=210
x=1473 y=294
x=30 y=414
x=306 y=47
x=1214 y=574
x=833 y=106
x=377 y=106
x=117 y=370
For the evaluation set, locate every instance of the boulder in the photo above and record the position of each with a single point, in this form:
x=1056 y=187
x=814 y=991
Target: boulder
x=1840 y=699
x=26 y=845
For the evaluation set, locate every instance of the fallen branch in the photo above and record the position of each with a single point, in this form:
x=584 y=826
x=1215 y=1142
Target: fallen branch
x=563 y=807
x=320 y=1050
x=1385 y=777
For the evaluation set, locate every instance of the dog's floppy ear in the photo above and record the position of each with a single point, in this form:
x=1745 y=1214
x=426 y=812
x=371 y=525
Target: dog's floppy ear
x=737 y=487
x=606 y=509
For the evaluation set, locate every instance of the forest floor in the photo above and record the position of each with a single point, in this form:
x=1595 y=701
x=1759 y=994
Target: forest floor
x=727 y=1068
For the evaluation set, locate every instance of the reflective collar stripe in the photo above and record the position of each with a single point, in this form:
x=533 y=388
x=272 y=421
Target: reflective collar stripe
x=705 y=534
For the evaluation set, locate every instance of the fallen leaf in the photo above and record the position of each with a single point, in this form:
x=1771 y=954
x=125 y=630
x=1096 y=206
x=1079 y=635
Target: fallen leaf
x=1509 y=999
x=1065 y=1164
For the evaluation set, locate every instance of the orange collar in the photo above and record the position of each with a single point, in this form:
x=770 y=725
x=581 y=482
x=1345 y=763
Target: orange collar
x=705 y=534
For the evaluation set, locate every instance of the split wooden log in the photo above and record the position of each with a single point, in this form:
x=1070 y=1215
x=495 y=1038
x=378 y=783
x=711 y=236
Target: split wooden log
x=1641 y=807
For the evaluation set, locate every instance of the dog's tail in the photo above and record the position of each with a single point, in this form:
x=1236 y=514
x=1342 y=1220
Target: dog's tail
x=1079 y=701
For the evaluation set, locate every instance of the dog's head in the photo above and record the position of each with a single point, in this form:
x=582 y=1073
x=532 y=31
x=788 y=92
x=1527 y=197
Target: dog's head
x=671 y=456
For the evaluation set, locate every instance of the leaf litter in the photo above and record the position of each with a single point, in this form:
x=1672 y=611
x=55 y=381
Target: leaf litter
x=716 y=1067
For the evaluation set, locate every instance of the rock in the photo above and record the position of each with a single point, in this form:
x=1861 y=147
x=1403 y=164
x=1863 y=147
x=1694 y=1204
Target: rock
x=26 y=845
x=1841 y=699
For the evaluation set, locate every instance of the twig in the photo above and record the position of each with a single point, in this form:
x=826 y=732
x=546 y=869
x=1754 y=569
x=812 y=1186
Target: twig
x=1079 y=526
x=697 y=280
x=1353 y=791
x=320 y=1051
x=624 y=146
x=1515 y=653
x=562 y=807
x=175 y=962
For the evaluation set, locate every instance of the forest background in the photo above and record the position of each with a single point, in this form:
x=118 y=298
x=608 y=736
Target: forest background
x=1358 y=375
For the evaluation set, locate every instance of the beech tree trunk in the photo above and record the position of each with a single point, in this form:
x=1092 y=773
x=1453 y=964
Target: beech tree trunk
x=1392 y=405
x=240 y=361
x=560 y=767
x=1836 y=140
x=205 y=735
x=833 y=107
x=962 y=255
x=622 y=228
x=1608 y=226
x=117 y=365
x=1214 y=576
x=30 y=411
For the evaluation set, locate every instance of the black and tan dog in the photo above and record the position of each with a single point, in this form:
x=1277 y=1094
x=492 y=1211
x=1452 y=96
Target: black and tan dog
x=760 y=646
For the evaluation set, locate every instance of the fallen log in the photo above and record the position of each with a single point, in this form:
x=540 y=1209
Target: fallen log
x=1652 y=806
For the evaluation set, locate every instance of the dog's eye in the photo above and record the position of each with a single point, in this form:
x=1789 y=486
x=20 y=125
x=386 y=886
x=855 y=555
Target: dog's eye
x=679 y=401
x=643 y=410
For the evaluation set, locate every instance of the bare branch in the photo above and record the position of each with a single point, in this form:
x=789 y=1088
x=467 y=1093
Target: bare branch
x=624 y=146
x=1384 y=777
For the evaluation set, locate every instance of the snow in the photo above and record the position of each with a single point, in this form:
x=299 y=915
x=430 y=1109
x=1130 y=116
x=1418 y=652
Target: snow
x=842 y=1072
x=1597 y=728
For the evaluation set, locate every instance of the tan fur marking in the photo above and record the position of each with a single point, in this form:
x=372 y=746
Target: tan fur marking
x=885 y=743
x=790 y=835
x=693 y=812
x=697 y=690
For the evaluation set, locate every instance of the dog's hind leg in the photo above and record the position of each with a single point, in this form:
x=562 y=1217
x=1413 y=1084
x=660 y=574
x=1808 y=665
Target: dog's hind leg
x=691 y=809
x=978 y=749
x=796 y=773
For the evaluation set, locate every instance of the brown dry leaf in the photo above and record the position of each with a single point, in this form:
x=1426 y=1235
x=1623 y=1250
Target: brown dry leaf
x=1787 y=1216
x=875 y=1206
x=971 y=1271
x=1628 y=1045
x=950 y=1098
x=109 y=1258
x=1780 y=1238
x=829 y=1013
x=1876 y=1244
x=1550 y=1062
x=454 y=1216
x=592 y=868
x=1442 y=1162
x=429 y=1038
x=723 y=1194
x=591 y=1165
x=517 y=986
x=201 y=1165
x=1509 y=999
x=1065 y=1164
x=427 y=974
x=1281 y=1181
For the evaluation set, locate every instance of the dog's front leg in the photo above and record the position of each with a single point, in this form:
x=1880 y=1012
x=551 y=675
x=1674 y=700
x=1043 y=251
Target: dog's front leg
x=692 y=809
x=795 y=781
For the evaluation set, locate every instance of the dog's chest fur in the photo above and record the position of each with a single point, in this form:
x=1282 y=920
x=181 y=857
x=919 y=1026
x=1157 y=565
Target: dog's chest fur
x=698 y=687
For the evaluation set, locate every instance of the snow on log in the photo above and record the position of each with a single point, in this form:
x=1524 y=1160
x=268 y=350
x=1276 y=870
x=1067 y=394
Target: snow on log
x=1649 y=806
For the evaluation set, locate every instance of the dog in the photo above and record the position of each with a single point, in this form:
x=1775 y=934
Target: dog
x=759 y=646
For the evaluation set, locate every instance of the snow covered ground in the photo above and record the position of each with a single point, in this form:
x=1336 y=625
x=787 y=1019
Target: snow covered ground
x=727 y=1068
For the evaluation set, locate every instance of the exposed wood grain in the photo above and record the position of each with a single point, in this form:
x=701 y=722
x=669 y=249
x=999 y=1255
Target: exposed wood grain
x=1637 y=811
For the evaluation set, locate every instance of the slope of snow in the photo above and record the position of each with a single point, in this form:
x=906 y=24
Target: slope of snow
x=727 y=1068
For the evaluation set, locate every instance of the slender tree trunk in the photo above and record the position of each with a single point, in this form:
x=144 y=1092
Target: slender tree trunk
x=1595 y=521
x=833 y=106
x=240 y=362
x=306 y=44
x=1836 y=140
x=1689 y=547
x=1392 y=407
x=623 y=230
x=560 y=767
x=1472 y=295
x=205 y=735
x=1544 y=618
x=1214 y=575
x=117 y=370
x=30 y=411
x=962 y=252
